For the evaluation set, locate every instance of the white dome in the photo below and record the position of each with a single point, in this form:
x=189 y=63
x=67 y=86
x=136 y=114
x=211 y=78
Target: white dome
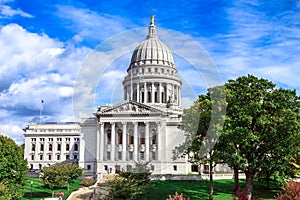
x=152 y=51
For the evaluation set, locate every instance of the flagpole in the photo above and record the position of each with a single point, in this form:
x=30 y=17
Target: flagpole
x=41 y=108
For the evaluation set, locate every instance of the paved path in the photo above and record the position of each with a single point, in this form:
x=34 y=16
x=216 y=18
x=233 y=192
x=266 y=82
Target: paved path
x=86 y=193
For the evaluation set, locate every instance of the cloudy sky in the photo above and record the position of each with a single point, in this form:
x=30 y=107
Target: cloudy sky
x=74 y=54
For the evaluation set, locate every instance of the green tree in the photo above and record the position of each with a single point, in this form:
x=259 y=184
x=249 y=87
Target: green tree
x=13 y=167
x=203 y=124
x=61 y=175
x=262 y=124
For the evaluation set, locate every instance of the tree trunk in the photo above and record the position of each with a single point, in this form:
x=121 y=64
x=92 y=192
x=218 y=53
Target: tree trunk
x=249 y=184
x=236 y=179
x=52 y=193
x=211 y=194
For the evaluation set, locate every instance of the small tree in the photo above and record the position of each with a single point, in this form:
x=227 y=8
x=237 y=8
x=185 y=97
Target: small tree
x=4 y=192
x=58 y=176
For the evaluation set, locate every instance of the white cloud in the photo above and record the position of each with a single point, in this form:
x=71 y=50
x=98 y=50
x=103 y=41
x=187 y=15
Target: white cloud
x=8 y=11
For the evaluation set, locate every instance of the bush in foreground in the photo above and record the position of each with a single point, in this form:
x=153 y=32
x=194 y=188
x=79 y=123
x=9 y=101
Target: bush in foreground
x=177 y=197
x=291 y=191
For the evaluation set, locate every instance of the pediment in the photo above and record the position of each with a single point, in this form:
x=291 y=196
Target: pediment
x=129 y=107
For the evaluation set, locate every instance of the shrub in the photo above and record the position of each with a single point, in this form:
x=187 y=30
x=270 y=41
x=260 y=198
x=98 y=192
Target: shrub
x=87 y=182
x=291 y=191
x=177 y=197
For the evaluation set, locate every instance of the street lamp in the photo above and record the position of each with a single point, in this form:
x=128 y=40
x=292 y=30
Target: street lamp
x=31 y=182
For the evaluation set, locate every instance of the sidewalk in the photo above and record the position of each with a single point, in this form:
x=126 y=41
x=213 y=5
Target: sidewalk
x=86 y=193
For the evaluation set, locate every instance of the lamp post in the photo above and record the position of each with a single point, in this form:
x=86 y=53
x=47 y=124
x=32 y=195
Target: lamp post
x=31 y=182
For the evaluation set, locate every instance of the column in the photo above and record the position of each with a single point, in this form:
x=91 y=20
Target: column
x=147 y=142
x=145 y=93
x=152 y=92
x=81 y=150
x=138 y=92
x=102 y=141
x=113 y=141
x=179 y=96
x=124 y=143
x=173 y=93
x=159 y=93
x=167 y=92
x=135 y=141
x=97 y=145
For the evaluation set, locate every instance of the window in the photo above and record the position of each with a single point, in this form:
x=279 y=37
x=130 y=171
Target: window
x=155 y=70
x=50 y=139
x=75 y=147
x=107 y=155
x=120 y=136
x=105 y=167
x=153 y=155
x=41 y=157
x=88 y=167
x=58 y=147
x=119 y=155
x=42 y=139
x=152 y=167
x=149 y=70
x=32 y=147
x=108 y=136
x=42 y=147
x=175 y=167
x=40 y=166
x=49 y=157
x=57 y=157
x=194 y=168
x=33 y=139
x=31 y=166
x=130 y=155
x=162 y=71
x=75 y=157
x=67 y=157
x=67 y=147
x=142 y=155
x=68 y=139
x=32 y=157
x=76 y=139
x=153 y=136
x=50 y=147
x=142 y=137
x=59 y=139
x=130 y=136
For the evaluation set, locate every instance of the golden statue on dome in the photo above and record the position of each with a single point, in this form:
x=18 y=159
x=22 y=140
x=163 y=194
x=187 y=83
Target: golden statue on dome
x=152 y=19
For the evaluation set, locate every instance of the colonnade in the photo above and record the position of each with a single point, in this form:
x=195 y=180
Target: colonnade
x=127 y=141
x=153 y=92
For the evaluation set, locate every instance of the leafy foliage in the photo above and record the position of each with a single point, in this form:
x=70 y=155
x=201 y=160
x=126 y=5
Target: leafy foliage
x=291 y=191
x=130 y=184
x=58 y=176
x=261 y=131
x=177 y=197
x=4 y=193
x=87 y=182
x=13 y=167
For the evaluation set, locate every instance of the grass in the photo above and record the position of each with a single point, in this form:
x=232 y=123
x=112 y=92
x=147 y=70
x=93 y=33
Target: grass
x=200 y=189
x=39 y=191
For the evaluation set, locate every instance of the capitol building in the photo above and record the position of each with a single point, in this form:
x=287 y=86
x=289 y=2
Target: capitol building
x=144 y=127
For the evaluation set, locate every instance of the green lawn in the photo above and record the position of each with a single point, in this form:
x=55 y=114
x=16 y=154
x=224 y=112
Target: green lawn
x=159 y=190
x=39 y=192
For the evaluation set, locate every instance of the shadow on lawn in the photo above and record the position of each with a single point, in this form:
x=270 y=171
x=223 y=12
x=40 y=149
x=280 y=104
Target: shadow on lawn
x=200 y=189
x=37 y=194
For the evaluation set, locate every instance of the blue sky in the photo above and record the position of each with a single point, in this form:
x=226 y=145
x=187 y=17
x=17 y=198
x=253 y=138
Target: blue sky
x=45 y=46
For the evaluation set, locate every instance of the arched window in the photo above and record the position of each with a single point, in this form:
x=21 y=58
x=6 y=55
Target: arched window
x=119 y=132
x=50 y=147
x=33 y=147
x=67 y=147
x=75 y=147
x=153 y=136
x=108 y=136
x=130 y=134
x=142 y=136
x=58 y=147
